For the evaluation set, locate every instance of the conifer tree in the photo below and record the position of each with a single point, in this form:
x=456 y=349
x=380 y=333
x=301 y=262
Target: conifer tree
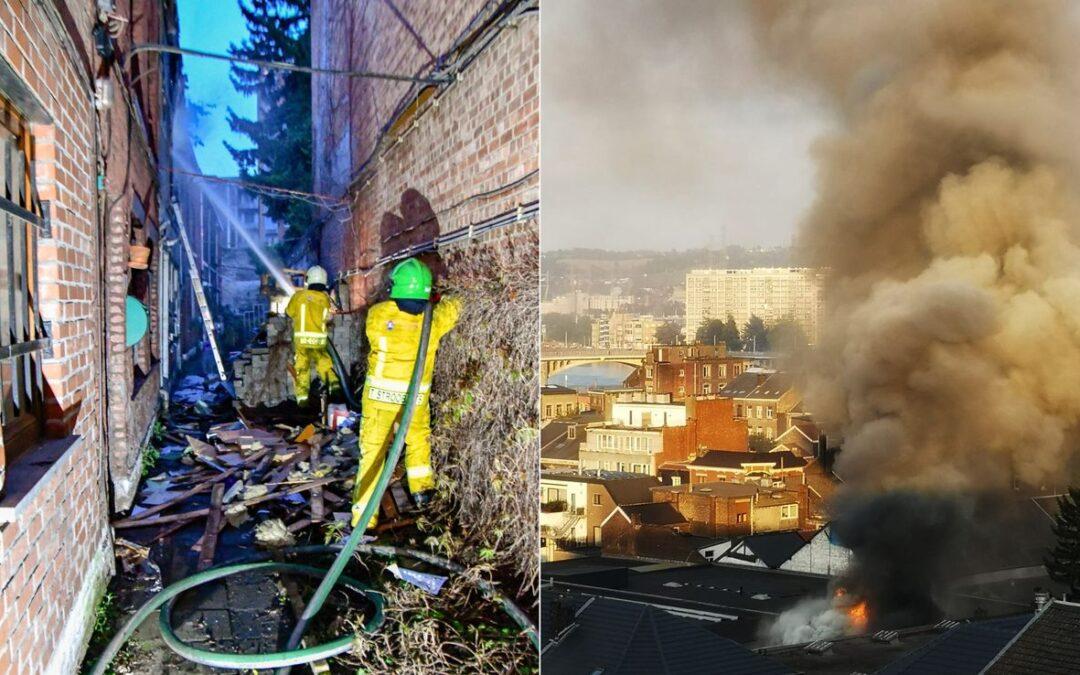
x=1064 y=561
x=281 y=156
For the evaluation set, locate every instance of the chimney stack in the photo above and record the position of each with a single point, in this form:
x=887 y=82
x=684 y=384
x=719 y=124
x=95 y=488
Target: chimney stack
x=1042 y=600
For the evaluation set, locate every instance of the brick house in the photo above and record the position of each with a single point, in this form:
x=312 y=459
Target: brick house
x=84 y=181
x=802 y=437
x=764 y=468
x=728 y=509
x=574 y=505
x=765 y=400
x=556 y=401
x=710 y=423
x=690 y=370
x=652 y=531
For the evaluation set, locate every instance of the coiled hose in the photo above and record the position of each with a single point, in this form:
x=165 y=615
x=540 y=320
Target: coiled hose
x=284 y=660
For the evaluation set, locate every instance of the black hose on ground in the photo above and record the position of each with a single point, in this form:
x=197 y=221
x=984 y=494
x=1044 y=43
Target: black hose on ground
x=343 y=377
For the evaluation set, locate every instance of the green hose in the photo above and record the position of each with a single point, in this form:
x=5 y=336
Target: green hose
x=293 y=656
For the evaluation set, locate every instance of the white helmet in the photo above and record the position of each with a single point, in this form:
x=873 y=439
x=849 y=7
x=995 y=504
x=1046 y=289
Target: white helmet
x=315 y=275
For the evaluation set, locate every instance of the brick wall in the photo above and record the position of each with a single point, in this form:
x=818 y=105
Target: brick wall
x=55 y=541
x=431 y=172
x=710 y=424
x=133 y=194
x=54 y=552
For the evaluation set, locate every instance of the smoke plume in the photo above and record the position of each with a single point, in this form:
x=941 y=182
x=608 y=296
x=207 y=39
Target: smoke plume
x=947 y=215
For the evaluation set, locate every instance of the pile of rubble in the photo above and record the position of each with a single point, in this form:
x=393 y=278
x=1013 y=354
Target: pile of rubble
x=218 y=468
x=262 y=374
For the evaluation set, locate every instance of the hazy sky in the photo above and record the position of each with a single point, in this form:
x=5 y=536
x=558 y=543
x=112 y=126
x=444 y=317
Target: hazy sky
x=208 y=79
x=661 y=129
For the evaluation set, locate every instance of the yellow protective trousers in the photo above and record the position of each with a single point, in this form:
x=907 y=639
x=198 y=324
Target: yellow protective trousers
x=309 y=310
x=376 y=433
x=304 y=359
x=394 y=336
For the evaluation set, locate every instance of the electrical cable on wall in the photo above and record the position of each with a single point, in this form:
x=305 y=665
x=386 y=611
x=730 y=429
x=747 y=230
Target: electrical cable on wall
x=281 y=65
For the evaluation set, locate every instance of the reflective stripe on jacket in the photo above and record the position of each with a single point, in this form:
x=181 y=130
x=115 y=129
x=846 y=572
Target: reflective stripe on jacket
x=309 y=310
x=394 y=337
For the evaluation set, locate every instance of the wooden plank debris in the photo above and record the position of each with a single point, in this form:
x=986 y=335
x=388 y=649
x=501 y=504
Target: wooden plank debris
x=213 y=526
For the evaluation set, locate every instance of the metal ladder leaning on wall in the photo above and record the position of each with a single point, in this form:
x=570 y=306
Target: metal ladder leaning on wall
x=200 y=296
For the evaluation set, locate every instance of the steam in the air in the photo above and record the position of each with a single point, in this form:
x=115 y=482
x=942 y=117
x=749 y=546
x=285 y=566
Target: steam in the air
x=948 y=215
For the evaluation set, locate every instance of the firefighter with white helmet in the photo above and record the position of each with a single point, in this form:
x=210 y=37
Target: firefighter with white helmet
x=310 y=309
x=393 y=331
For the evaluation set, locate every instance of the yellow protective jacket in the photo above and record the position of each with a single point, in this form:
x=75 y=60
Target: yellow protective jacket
x=394 y=336
x=309 y=311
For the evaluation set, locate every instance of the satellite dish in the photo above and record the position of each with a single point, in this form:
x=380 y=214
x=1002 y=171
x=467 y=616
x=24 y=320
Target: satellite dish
x=137 y=321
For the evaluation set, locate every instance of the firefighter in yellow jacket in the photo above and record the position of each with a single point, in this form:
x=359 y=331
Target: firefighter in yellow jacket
x=309 y=308
x=393 y=332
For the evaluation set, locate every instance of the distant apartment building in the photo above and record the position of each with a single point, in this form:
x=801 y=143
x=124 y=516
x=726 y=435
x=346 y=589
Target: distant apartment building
x=573 y=506
x=765 y=400
x=619 y=330
x=690 y=370
x=556 y=401
x=771 y=293
x=248 y=223
x=580 y=302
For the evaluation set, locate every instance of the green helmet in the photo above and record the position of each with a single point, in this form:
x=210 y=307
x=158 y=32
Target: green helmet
x=411 y=280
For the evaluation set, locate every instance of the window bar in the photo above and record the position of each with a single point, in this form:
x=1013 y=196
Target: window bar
x=39 y=326
x=11 y=395
x=18 y=249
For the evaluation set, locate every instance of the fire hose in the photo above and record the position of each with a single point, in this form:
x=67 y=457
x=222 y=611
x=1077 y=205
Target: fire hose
x=293 y=654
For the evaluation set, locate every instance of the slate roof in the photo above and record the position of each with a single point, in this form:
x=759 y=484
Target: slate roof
x=967 y=648
x=772 y=386
x=654 y=513
x=629 y=638
x=773 y=548
x=734 y=460
x=624 y=488
x=712 y=489
x=1049 y=644
x=554 y=442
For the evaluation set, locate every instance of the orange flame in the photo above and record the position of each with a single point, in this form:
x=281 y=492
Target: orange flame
x=857 y=611
x=858 y=615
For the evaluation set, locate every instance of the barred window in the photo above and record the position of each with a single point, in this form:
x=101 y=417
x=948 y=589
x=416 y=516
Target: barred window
x=22 y=335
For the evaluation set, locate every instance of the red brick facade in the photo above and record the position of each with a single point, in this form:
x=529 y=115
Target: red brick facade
x=710 y=424
x=689 y=370
x=416 y=161
x=710 y=515
x=55 y=540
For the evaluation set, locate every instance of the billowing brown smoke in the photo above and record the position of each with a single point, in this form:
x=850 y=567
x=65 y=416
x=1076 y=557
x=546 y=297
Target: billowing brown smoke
x=948 y=215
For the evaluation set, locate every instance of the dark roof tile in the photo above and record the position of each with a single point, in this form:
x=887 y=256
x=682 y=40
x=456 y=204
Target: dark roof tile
x=629 y=638
x=733 y=460
x=654 y=513
x=1049 y=644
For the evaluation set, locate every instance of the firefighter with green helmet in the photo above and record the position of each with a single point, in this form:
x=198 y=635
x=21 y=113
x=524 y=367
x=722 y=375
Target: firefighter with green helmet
x=393 y=332
x=310 y=309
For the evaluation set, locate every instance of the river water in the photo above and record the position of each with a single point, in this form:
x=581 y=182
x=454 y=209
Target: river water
x=592 y=375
